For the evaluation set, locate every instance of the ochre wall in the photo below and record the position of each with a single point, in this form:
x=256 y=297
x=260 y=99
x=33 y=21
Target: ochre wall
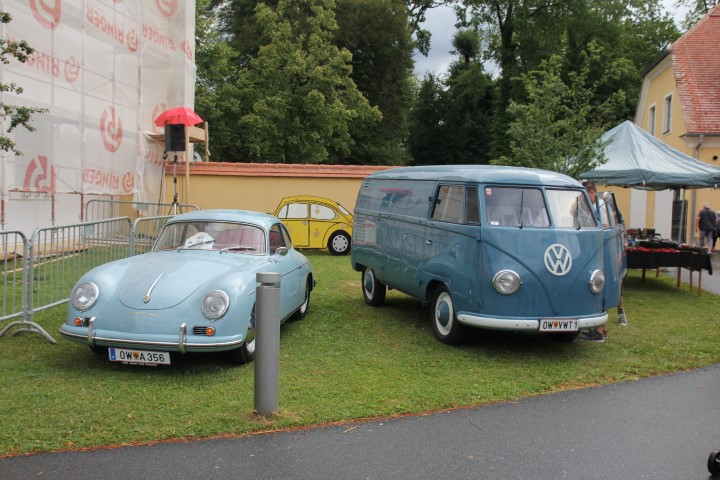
x=261 y=186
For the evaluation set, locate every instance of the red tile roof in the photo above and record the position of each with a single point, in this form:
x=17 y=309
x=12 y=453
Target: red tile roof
x=696 y=64
x=276 y=169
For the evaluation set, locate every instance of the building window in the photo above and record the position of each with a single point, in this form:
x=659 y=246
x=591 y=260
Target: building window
x=667 y=115
x=651 y=121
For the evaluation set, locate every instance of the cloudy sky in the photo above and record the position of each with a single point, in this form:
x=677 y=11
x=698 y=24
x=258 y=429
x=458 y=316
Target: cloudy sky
x=440 y=21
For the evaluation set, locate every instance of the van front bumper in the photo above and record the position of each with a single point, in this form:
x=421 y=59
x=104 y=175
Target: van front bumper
x=526 y=324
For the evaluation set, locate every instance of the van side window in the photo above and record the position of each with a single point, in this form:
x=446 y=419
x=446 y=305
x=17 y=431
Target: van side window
x=472 y=209
x=515 y=207
x=449 y=203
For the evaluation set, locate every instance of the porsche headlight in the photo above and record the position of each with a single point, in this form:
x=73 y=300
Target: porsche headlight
x=85 y=296
x=215 y=304
x=597 y=281
x=506 y=282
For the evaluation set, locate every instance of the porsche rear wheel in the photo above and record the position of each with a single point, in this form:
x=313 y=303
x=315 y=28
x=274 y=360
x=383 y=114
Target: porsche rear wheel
x=302 y=311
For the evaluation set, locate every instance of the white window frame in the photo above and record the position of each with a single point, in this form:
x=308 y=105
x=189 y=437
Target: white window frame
x=667 y=114
x=652 y=111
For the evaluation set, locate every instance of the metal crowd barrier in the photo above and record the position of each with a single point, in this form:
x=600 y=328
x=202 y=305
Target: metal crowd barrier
x=13 y=255
x=59 y=256
x=38 y=274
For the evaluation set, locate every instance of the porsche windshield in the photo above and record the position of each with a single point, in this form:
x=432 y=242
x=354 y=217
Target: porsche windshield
x=199 y=235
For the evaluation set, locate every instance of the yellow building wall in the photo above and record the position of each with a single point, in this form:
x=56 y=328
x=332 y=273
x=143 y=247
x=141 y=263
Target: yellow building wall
x=261 y=187
x=662 y=84
x=263 y=194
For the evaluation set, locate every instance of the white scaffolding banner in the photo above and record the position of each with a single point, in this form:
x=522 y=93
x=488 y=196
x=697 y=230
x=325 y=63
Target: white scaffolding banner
x=104 y=70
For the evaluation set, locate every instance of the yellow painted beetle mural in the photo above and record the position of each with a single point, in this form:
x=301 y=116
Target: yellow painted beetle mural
x=316 y=222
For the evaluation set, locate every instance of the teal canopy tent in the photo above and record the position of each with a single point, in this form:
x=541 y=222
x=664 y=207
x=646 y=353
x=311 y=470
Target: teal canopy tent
x=639 y=160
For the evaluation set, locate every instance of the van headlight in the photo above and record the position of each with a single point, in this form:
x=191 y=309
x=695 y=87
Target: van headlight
x=215 y=304
x=85 y=296
x=506 y=282
x=597 y=281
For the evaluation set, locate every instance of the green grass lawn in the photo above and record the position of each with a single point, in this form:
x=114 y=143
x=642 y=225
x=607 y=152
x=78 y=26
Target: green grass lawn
x=344 y=361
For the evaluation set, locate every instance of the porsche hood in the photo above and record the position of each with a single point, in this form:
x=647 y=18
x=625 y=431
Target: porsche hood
x=156 y=282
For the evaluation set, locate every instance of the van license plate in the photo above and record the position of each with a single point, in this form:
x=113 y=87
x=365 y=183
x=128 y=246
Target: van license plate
x=558 y=325
x=138 y=357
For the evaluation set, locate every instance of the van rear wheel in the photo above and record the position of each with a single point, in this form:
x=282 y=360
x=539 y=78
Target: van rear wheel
x=445 y=324
x=373 y=291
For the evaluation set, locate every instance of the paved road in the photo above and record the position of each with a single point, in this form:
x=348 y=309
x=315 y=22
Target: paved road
x=654 y=428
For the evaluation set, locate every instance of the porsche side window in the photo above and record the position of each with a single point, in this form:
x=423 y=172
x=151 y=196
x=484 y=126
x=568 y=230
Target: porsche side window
x=276 y=239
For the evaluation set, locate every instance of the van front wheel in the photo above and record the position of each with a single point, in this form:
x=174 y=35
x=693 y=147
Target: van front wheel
x=445 y=324
x=373 y=291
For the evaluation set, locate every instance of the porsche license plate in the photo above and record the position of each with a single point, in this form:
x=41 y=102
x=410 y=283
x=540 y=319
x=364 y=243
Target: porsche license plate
x=138 y=357
x=558 y=325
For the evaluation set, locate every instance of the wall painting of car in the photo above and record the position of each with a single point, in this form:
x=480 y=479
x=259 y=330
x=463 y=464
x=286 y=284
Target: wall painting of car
x=316 y=222
x=193 y=292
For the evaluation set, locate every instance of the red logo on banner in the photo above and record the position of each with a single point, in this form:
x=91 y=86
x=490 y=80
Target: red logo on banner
x=38 y=177
x=72 y=69
x=167 y=8
x=128 y=182
x=132 y=40
x=111 y=129
x=185 y=45
x=46 y=12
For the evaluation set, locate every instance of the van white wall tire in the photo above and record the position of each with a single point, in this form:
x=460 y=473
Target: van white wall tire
x=445 y=324
x=373 y=291
x=339 y=243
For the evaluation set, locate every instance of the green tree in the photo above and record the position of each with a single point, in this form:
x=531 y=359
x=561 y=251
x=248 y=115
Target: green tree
x=217 y=98
x=377 y=34
x=429 y=139
x=469 y=105
x=298 y=97
x=558 y=128
x=523 y=33
x=14 y=116
x=696 y=10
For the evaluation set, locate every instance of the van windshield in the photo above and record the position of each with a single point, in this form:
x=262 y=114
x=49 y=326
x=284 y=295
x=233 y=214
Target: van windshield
x=515 y=207
x=570 y=209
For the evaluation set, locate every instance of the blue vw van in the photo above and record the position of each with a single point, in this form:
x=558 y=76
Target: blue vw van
x=503 y=248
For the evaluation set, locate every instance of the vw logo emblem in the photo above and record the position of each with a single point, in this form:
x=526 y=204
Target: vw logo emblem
x=558 y=260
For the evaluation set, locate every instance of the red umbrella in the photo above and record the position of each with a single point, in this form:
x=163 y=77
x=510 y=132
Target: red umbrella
x=178 y=116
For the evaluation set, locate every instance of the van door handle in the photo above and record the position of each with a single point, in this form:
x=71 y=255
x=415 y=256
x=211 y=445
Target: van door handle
x=428 y=242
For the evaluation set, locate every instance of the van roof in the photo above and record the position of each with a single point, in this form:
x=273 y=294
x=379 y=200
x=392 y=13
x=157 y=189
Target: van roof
x=479 y=173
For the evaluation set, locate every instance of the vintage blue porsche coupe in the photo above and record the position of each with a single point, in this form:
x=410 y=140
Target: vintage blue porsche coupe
x=193 y=292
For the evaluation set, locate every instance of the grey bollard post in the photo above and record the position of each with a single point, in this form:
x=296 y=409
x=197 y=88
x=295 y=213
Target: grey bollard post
x=267 y=342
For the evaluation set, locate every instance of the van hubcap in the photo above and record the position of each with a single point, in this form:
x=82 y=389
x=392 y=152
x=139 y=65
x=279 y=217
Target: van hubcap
x=442 y=314
x=369 y=280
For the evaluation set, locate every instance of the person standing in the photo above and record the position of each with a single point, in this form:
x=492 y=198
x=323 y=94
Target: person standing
x=599 y=333
x=705 y=224
x=716 y=233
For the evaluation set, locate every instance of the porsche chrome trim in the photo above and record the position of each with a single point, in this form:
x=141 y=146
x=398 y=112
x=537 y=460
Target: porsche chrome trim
x=146 y=298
